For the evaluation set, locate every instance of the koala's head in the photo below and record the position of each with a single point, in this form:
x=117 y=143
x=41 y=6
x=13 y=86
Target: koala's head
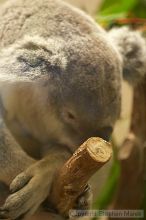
x=81 y=80
x=89 y=100
x=84 y=89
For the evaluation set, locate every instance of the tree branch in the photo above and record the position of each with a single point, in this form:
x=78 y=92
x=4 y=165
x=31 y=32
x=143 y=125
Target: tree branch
x=73 y=176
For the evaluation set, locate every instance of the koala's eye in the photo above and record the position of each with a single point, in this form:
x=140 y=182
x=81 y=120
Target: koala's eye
x=71 y=116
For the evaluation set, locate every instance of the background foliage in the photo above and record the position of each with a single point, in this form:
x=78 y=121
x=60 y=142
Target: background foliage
x=121 y=12
x=118 y=13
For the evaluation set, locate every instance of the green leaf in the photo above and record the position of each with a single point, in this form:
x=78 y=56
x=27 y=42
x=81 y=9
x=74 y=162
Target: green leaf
x=114 y=6
x=111 y=17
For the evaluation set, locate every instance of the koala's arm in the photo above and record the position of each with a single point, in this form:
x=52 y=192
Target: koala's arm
x=132 y=47
x=13 y=160
x=29 y=180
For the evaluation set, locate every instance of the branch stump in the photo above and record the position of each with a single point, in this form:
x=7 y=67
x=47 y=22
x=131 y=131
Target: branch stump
x=73 y=177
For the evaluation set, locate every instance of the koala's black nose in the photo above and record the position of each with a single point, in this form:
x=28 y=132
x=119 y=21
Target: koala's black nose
x=104 y=133
x=105 y=137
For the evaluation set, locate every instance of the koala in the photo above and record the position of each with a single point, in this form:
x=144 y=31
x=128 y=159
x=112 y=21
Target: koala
x=60 y=83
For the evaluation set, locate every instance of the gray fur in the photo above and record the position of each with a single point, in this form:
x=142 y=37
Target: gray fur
x=47 y=18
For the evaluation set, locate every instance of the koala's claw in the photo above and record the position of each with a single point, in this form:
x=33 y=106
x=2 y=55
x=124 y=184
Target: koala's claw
x=19 y=182
x=84 y=201
x=28 y=192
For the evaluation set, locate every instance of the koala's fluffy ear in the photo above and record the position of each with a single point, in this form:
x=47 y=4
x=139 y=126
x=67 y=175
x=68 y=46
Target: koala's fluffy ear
x=132 y=48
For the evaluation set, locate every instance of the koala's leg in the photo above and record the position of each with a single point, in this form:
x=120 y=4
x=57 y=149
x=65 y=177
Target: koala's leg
x=30 y=188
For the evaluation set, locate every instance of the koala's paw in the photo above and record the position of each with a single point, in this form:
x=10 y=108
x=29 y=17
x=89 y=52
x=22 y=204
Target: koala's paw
x=84 y=201
x=29 y=189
